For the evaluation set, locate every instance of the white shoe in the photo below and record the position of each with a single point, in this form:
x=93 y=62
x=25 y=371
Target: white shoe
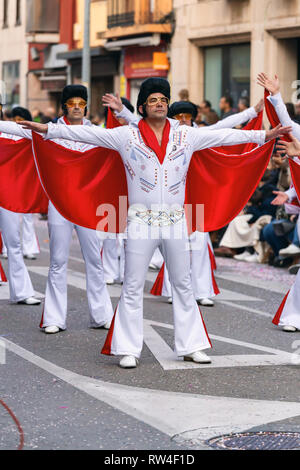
x=128 y=362
x=252 y=258
x=242 y=256
x=107 y=325
x=30 y=301
x=198 y=356
x=206 y=302
x=29 y=257
x=51 y=330
x=4 y=255
x=109 y=281
x=289 y=328
x=170 y=300
x=291 y=250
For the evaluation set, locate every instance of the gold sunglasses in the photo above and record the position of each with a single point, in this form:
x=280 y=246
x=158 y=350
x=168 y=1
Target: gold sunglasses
x=73 y=102
x=153 y=101
x=181 y=116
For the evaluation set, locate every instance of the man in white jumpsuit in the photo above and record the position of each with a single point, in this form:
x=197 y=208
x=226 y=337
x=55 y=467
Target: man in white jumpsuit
x=156 y=154
x=201 y=271
x=74 y=102
x=20 y=285
x=288 y=315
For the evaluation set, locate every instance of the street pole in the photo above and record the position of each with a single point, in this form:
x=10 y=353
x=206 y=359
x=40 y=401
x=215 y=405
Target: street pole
x=86 y=52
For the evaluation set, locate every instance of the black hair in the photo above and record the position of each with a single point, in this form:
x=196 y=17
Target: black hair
x=228 y=100
x=207 y=103
x=245 y=101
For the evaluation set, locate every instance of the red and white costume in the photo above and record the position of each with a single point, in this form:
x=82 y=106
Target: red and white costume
x=288 y=313
x=156 y=177
x=60 y=231
x=20 y=286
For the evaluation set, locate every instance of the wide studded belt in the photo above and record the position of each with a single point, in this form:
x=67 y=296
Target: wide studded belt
x=160 y=218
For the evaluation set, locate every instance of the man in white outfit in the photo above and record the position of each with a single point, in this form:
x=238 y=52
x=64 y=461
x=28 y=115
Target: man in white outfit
x=287 y=316
x=156 y=154
x=74 y=103
x=201 y=271
x=20 y=285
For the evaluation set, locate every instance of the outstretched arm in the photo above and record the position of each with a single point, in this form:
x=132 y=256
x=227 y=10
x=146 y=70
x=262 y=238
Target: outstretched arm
x=273 y=87
x=10 y=127
x=238 y=118
x=201 y=139
x=94 y=135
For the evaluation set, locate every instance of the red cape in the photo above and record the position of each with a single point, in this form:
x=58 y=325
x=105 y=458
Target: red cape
x=77 y=183
x=295 y=172
x=20 y=188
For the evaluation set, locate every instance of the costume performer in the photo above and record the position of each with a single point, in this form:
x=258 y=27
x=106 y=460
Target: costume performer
x=156 y=154
x=288 y=313
x=74 y=103
x=202 y=258
x=20 y=286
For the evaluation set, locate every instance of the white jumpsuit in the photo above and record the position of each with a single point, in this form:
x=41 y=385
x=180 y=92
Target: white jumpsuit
x=158 y=188
x=60 y=232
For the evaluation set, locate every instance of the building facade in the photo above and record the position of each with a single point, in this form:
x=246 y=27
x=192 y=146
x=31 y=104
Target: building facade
x=220 y=46
x=13 y=52
x=49 y=31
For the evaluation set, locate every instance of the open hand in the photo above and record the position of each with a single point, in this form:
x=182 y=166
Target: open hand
x=280 y=199
x=278 y=131
x=271 y=84
x=292 y=149
x=34 y=126
x=111 y=101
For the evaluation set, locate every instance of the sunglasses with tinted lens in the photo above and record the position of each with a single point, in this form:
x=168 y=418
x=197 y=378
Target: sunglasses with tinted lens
x=72 y=103
x=153 y=101
x=181 y=116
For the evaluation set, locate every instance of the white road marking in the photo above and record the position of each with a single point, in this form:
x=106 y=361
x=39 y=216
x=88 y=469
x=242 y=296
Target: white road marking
x=273 y=286
x=171 y=412
x=169 y=361
x=4 y=292
x=78 y=280
x=73 y=258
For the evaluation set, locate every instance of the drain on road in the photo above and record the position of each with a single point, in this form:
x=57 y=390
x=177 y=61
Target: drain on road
x=257 y=441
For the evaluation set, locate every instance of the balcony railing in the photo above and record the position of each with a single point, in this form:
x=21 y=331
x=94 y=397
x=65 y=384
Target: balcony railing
x=123 y=19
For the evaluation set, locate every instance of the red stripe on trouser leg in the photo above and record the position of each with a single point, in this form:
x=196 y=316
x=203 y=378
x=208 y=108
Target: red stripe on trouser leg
x=215 y=285
x=212 y=258
x=42 y=319
x=2 y=274
x=276 y=319
x=213 y=266
x=107 y=345
x=204 y=327
x=158 y=284
x=1 y=244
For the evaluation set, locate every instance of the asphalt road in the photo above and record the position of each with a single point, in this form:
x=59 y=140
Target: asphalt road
x=59 y=392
